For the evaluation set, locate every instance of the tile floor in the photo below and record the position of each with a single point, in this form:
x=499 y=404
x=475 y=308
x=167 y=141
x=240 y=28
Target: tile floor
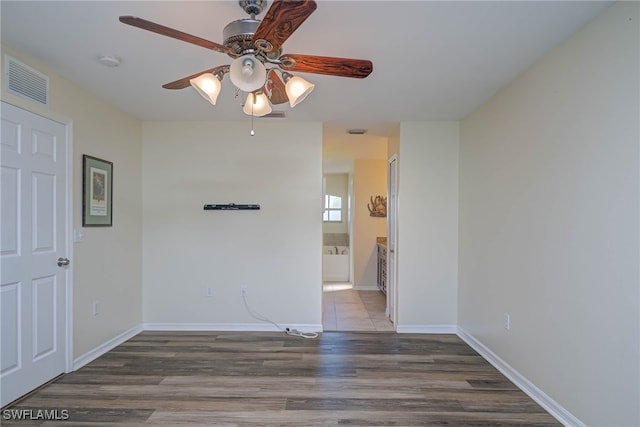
x=345 y=309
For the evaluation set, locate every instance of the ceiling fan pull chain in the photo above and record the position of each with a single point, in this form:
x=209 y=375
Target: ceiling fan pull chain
x=252 y=132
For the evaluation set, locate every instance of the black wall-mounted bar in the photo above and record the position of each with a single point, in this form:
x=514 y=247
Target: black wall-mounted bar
x=231 y=207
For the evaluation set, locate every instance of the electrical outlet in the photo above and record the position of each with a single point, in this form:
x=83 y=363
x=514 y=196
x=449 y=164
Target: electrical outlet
x=209 y=291
x=95 y=308
x=244 y=289
x=507 y=321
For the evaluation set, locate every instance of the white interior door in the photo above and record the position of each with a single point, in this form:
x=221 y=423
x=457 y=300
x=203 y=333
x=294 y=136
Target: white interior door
x=392 y=218
x=33 y=221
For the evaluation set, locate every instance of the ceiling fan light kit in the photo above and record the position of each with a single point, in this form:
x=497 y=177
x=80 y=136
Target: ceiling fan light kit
x=297 y=88
x=208 y=85
x=257 y=104
x=247 y=73
x=255 y=45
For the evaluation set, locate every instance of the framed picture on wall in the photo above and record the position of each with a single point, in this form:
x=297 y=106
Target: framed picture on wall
x=97 y=192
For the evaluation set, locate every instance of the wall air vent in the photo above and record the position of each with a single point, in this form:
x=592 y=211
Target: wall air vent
x=25 y=82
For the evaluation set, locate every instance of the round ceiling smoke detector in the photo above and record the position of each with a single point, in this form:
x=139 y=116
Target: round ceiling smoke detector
x=109 y=61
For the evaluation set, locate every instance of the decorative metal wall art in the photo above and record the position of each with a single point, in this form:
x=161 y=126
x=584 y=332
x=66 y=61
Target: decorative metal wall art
x=378 y=206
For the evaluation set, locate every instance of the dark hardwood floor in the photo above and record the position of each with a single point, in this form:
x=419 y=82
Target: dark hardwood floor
x=268 y=379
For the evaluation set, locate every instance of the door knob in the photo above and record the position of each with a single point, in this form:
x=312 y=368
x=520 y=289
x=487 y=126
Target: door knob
x=63 y=261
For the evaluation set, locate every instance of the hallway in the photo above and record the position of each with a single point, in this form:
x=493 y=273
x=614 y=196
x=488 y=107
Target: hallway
x=345 y=309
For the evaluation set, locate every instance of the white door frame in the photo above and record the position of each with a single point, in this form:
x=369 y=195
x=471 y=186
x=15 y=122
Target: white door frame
x=68 y=124
x=392 y=246
x=350 y=209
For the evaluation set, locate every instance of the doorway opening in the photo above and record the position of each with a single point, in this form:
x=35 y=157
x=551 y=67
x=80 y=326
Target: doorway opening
x=352 y=227
x=336 y=228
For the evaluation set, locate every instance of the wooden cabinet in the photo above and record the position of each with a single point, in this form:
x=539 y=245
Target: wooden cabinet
x=382 y=268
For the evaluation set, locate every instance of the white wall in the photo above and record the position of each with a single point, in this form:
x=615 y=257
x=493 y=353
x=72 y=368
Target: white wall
x=370 y=180
x=427 y=244
x=275 y=251
x=393 y=146
x=549 y=214
x=107 y=265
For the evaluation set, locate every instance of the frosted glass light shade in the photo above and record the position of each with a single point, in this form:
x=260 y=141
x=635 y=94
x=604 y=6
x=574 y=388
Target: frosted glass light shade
x=247 y=73
x=297 y=89
x=208 y=86
x=260 y=105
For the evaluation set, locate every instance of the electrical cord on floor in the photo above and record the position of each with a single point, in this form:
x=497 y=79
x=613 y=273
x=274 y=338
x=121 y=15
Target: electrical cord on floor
x=288 y=331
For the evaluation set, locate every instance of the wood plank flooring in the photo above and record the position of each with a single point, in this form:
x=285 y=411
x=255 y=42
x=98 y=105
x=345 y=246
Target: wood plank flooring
x=269 y=379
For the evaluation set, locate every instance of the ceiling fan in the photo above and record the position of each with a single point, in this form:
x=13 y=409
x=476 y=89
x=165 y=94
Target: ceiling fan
x=259 y=67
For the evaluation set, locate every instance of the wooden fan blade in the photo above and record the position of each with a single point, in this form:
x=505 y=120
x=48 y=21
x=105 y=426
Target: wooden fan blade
x=170 y=32
x=184 y=82
x=282 y=19
x=274 y=88
x=343 y=67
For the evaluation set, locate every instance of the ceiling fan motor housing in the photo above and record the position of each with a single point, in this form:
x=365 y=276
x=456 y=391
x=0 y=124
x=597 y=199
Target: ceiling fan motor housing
x=238 y=36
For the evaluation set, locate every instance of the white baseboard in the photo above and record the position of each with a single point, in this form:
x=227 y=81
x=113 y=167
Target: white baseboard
x=228 y=327
x=426 y=329
x=92 y=355
x=541 y=398
x=366 y=288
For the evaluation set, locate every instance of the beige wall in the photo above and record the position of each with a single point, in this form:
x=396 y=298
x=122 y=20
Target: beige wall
x=107 y=265
x=427 y=244
x=370 y=180
x=549 y=205
x=549 y=222
x=276 y=252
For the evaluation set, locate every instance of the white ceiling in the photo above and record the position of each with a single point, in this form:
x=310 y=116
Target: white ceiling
x=432 y=60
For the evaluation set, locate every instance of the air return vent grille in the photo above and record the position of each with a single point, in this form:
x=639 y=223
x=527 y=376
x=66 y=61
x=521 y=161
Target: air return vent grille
x=275 y=115
x=26 y=82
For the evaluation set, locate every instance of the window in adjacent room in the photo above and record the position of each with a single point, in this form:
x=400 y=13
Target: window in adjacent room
x=332 y=209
